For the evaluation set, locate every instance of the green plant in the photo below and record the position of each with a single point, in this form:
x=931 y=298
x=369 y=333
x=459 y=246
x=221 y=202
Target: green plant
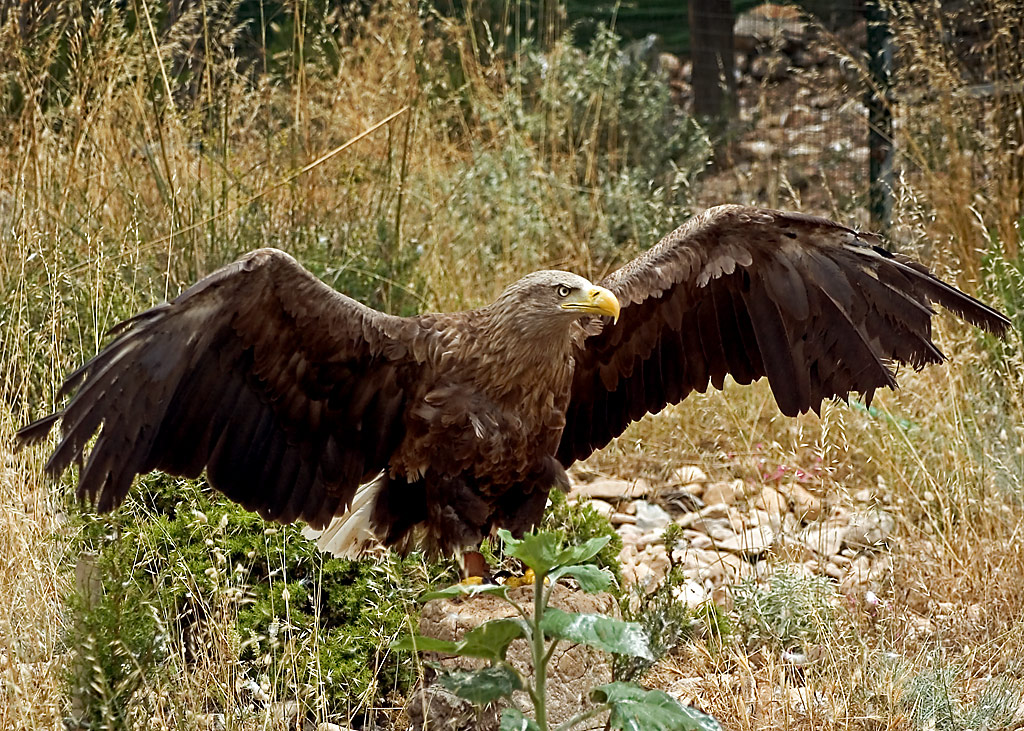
x=930 y=701
x=664 y=618
x=791 y=611
x=186 y=583
x=578 y=522
x=630 y=706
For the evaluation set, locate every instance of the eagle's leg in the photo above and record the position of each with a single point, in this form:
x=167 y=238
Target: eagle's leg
x=475 y=569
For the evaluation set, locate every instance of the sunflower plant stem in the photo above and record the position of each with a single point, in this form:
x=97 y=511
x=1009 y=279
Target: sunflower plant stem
x=539 y=660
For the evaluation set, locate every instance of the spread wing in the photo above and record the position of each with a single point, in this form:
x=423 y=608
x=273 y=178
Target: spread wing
x=818 y=308
x=288 y=393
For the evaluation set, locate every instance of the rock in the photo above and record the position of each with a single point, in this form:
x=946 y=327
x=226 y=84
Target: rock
x=431 y=706
x=573 y=672
x=650 y=516
x=721 y=533
x=712 y=512
x=601 y=507
x=682 y=500
x=611 y=490
x=691 y=592
x=657 y=558
x=710 y=526
x=863 y=496
x=326 y=726
x=840 y=560
x=629 y=534
x=824 y=538
x=759 y=149
x=210 y=722
x=628 y=553
x=806 y=507
x=622 y=519
x=649 y=538
x=711 y=568
x=869 y=528
x=770 y=26
x=701 y=541
x=751 y=542
x=771 y=501
x=687 y=475
x=670 y=65
x=722 y=493
x=284 y=714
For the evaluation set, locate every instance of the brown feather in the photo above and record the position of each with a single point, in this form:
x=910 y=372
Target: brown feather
x=291 y=396
x=817 y=308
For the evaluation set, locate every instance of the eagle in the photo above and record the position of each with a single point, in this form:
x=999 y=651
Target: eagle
x=432 y=431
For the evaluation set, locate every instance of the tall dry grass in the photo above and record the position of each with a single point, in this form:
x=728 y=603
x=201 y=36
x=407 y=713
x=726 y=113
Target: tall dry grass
x=122 y=179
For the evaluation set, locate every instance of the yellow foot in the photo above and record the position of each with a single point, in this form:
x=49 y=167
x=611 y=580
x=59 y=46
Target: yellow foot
x=516 y=581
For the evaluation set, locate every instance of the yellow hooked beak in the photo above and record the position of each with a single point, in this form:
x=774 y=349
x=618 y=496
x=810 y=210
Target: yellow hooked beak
x=595 y=301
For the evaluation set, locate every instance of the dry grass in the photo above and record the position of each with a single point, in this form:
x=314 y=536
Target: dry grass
x=124 y=181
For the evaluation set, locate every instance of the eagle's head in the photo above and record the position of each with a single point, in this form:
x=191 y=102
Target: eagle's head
x=552 y=299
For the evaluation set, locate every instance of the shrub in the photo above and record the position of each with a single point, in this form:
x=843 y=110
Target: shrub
x=791 y=612
x=192 y=584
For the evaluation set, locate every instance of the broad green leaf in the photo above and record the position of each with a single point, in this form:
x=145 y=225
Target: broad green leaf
x=539 y=551
x=591 y=578
x=459 y=590
x=491 y=639
x=596 y=630
x=585 y=552
x=482 y=686
x=636 y=709
x=422 y=643
x=513 y=720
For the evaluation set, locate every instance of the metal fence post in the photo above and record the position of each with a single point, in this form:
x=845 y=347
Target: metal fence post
x=878 y=102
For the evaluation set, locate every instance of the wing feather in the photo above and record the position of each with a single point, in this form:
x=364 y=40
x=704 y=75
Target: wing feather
x=288 y=393
x=821 y=310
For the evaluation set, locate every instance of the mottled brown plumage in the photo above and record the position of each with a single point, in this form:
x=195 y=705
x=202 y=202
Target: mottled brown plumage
x=291 y=395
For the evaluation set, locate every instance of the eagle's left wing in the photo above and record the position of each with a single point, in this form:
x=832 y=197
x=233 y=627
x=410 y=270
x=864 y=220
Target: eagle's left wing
x=818 y=308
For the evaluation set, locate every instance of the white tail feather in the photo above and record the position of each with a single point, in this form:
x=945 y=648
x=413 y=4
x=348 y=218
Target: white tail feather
x=350 y=535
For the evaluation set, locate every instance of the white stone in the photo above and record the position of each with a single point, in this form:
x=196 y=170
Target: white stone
x=772 y=501
x=622 y=519
x=752 y=542
x=687 y=474
x=650 y=516
x=629 y=534
x=714 y=511
x=601 y=507
x=723 y=493
x=691 y=592
x=869 y=528
x=649 y=538
x=701 y=541
x=806 y=506
x=825 y=538
x=611 y=489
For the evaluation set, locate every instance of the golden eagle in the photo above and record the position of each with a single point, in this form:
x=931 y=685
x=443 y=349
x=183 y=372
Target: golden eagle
x=301 y=403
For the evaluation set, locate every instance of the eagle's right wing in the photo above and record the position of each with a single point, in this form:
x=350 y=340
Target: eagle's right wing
x=288 y=393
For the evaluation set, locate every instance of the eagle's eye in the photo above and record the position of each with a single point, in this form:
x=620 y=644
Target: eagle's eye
x=563 y=290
